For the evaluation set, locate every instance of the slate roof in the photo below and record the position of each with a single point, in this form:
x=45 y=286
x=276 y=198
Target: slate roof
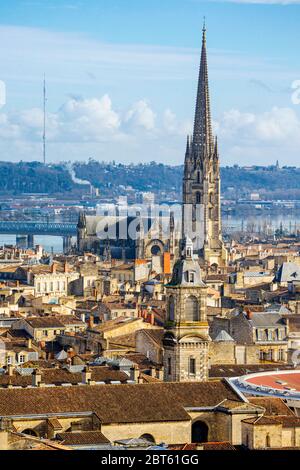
x=264 y=319
x=288 y=272
x=113 y=222
x=223 y=336
x=233 y=370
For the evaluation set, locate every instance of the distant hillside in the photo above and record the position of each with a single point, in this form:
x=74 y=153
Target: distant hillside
x=114 y=179
x=142 y=177
x=269 y=181
x=33 y=177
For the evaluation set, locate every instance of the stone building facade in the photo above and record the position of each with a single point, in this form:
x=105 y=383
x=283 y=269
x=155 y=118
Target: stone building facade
x=186 y=339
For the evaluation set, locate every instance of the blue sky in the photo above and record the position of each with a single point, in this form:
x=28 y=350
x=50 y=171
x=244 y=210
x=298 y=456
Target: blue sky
x=122 y=75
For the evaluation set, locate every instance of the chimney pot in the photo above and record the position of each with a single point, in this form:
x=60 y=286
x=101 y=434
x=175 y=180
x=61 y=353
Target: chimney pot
x=91 y=321
x=86 y=376
x=36 y=378
x=10 y=370
x=134 y=373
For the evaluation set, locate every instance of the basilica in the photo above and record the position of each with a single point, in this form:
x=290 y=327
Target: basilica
x=201 y=211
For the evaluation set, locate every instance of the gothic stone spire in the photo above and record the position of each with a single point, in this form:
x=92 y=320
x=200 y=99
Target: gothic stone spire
x=202 y=138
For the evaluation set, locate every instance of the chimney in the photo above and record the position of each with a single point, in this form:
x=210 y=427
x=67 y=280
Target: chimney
x=140 y=380
x=161 y=373
x=53 y=268
x=152 y=319
x=82 y=316
x=29 y=343
x=134 y=373
x=249 y=314
x=152 y=372
x=71 y=353
x=86 y=376
x=10 y=370
x=66 y=268
x=36 y=378
x=91 y=321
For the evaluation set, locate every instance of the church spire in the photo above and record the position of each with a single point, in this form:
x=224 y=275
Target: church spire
x=188 y=146
x=202 y=139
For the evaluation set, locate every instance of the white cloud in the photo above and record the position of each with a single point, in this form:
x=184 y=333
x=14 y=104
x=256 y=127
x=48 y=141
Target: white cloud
x=78 y=120
x=81 y=128
x=175 y=127
x=281 y=125
x=90 y=120
x=95 y=127
x=141 y=115
x=259 y=138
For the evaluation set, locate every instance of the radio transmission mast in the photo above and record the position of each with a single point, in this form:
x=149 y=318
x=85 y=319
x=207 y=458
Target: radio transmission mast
x=44 y=131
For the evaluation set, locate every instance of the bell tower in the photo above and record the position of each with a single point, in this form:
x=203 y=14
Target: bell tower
x=201 y=182
x=186 y=337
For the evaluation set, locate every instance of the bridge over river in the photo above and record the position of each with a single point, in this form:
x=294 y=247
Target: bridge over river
x=61 y=229
x=25 y=231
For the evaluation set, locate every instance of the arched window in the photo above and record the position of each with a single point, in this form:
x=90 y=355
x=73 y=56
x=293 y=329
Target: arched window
x=171 y=308
x=268 y=440
x=198 y=197
x=198 y=177
x=199 y=432
x=191 y=309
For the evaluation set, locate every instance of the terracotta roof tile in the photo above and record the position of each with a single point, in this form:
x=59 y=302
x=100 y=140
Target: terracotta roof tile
x=118 y=403
x=82 y=438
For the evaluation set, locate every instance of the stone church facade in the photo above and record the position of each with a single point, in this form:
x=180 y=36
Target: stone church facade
x=154 y=237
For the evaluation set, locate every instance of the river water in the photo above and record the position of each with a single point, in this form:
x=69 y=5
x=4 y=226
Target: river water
x=48 y=242
x=289 y=222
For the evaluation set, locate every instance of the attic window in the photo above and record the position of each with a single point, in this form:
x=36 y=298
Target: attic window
x=191 y=277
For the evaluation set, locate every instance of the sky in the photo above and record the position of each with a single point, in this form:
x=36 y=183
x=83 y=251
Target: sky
x=122 y=76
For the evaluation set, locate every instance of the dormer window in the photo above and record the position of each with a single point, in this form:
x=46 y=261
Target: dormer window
x=191 y=277
x=189 y=252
